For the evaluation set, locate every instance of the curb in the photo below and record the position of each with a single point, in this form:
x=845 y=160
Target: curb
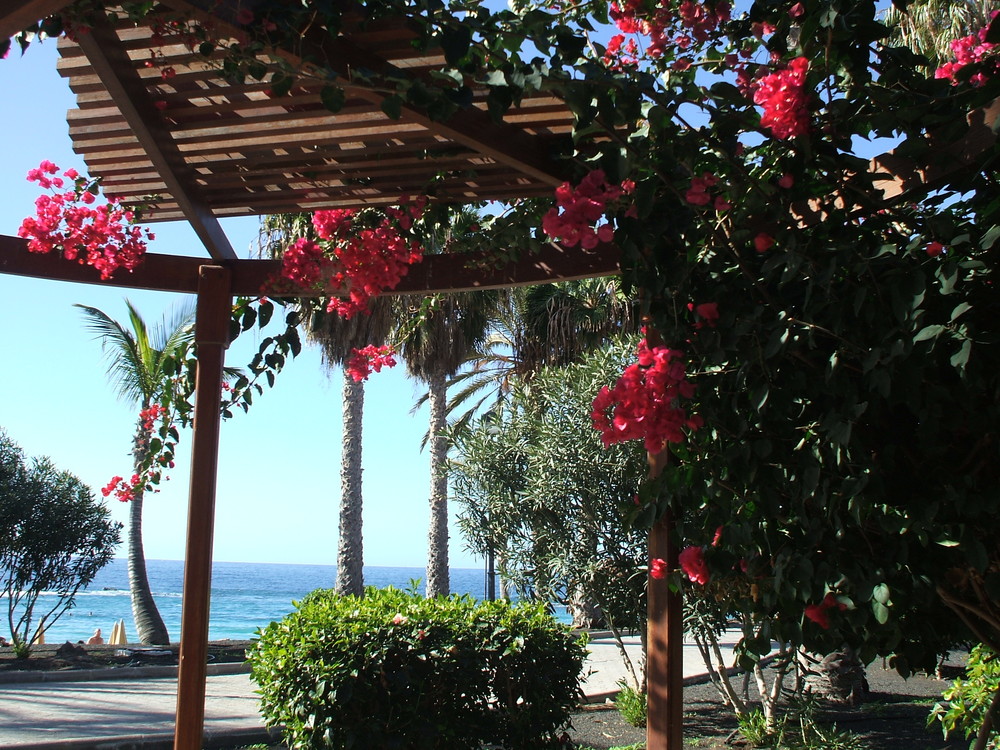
x=115 y=673
x=221 y=738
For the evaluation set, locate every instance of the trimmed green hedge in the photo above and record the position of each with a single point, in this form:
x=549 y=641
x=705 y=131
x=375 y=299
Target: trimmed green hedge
x=398 y=671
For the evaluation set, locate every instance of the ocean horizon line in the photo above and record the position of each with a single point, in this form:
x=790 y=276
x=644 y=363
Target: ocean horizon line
x=314 y=564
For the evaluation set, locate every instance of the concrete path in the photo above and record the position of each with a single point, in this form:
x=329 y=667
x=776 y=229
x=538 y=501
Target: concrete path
x=136 y=711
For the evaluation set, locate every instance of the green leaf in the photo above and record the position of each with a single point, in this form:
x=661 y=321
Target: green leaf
x=961 y=358
x=928 y=332
x=455 y=42
x=881 y=593
x=881 y=612
x=393 y=106
x=333 y=98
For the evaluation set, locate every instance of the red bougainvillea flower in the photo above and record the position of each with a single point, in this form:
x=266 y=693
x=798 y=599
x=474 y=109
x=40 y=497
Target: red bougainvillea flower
x=763 y=242
x=785 y=100
x=577 y=217
x=969 y=50
x=105 y=237
x=934 y=249
x=658 y=568
x=692 y=560
x=708 y=312
x=819 y=613
x=644 y=403
x=370 y=359
x=717 y=537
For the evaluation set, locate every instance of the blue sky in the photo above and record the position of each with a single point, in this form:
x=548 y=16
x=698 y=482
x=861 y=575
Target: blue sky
x=279 y=464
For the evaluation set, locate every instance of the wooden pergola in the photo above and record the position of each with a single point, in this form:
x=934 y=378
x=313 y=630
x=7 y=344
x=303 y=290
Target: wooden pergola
x=211 y=149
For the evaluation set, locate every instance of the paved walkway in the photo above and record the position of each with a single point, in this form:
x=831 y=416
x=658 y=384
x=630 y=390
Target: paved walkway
x=136 y=710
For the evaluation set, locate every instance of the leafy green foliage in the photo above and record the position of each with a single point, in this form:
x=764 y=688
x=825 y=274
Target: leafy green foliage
x=969 y=698
x=54 y=537
x=796 y=730
x=395 y=669
x=631 y=704
x=537 y=486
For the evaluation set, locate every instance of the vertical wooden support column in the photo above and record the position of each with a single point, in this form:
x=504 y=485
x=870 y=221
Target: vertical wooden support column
x=211 y=337
x=665 y=650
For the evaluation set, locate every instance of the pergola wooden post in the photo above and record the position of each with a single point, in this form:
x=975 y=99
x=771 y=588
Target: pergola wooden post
x=211 y=338
x=664 y=647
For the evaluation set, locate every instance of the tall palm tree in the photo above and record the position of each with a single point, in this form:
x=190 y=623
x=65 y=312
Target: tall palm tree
x=444 y=330
x=337 y=338
x=136 y=356
x=538 y=326
x=449 y=326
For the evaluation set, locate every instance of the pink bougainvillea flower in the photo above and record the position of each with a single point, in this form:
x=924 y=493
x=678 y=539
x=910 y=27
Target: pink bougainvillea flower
x=785 y=100
x=692 y=561
x=819 y=613
x=368 y=360
x=763 y=242
x=934 y=249
x=658 y=568
x=708 y=312
x=717 y=538
x=786 y=181
x=797 y=11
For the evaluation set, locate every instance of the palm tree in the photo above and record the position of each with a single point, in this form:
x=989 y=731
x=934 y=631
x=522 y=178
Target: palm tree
x=136 y=357
x=449 y=326
x=538 y=326
x=337 y=338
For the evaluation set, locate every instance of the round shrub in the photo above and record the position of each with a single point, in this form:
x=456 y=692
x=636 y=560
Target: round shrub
x=396 y=671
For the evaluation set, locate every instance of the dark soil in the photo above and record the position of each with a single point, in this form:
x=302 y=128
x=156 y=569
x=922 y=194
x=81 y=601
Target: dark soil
x=57 y=657
x=893 y=718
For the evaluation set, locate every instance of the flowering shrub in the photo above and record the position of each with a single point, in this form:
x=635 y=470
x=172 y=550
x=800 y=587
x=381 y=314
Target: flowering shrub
x=104 y=236
x=160 y=446
x=644 y=403
x=576 y=220
x=370 y=359
x=971 y=50
x=362 y=260
x=785 y=99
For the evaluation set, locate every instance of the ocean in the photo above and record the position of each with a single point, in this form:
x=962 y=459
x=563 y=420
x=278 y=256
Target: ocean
x=245 y=596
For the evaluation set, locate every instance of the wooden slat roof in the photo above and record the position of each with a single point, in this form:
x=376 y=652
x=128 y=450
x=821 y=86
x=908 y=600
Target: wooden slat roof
x=238 y=151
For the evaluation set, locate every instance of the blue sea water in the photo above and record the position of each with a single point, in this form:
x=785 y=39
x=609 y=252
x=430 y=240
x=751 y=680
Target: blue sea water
x=245 y=596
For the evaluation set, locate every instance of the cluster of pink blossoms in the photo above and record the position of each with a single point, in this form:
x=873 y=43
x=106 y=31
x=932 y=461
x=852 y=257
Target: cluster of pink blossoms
x=362 y=262
x=691 y=560
x=968 y=50
x=370 y=359
x=700 y=193
x=819 y=613
x=104 y=236
x=126 y=490
x=685 y=25
x=785 y=100
x=644 y=402
x=576 y=219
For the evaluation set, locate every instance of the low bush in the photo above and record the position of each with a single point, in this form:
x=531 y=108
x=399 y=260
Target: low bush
x=631 y=704
x=398 y=671
x=968 y=699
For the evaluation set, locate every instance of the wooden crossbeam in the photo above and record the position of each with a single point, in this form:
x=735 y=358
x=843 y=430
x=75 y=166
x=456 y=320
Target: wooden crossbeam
x=472 y=127
x=17 y=15
x=434 y=274
x=112 y=64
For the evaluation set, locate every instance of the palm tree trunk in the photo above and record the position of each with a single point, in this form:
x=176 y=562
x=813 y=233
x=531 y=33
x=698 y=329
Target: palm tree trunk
x=350 y=547
x=148 y=622
x=437 y=540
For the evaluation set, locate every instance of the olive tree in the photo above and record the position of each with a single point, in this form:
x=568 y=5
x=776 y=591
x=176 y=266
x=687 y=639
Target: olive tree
x=54 y=537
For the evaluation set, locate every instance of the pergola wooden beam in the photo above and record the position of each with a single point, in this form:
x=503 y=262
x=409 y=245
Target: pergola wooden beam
x=111 y=62
x=434 y=274
x=471 y=127
x=18 y=15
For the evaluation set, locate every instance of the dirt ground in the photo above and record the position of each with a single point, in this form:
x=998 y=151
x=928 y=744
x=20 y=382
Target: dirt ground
x=893 y=718
x=54 y=657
